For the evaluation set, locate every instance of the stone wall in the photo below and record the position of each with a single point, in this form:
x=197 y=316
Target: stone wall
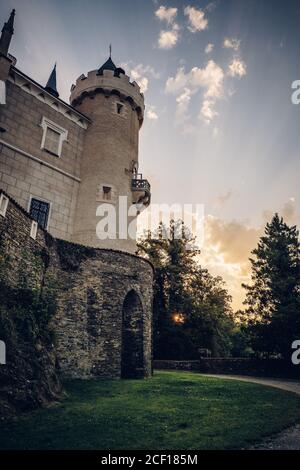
x=29 y=377
x=22 y=176
x=90 y=287
x=234 y=366
x=110 y=147
x=21 y=117
x=89 y=321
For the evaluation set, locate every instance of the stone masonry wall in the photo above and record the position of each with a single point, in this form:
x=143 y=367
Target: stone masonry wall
x=110 y=147
x=233 y=366
x=23 y=177
x=91 y=286
x=89 y=321
x=29 y=378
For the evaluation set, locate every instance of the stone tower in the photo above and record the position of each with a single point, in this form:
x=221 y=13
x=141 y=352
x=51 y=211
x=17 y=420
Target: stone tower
x=109 y=168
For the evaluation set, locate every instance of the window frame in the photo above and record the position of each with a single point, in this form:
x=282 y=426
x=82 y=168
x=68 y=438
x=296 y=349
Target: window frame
x=106 y=192
x=63 y=135
x=42 y=200
x=3 y=200
x=123 y=110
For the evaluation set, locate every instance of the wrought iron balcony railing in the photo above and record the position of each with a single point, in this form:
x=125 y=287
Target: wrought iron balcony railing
x=141 y=185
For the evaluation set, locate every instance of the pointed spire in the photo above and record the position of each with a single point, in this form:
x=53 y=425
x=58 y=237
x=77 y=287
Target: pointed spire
x=6 y=34
x=108 y=65
x=110 y=51
x=10 y=23
x=51 y=84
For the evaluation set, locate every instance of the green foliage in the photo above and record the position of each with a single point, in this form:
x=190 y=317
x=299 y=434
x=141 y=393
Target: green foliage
x=273 y=297
x=185 y=292
x=26 y=306
x=71 y=255
x=173 y=410
x=27 y=314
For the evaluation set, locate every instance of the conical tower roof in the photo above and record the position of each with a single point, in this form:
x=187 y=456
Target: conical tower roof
x=51 y=84
x=108 y=65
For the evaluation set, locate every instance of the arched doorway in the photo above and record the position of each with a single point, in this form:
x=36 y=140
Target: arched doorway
x=132 y=363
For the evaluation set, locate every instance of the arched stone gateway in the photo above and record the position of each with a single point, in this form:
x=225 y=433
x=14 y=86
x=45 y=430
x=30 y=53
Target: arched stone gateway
x=132 y=354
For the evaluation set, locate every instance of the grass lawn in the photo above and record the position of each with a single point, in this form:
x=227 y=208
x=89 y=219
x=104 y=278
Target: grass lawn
x=173 y=410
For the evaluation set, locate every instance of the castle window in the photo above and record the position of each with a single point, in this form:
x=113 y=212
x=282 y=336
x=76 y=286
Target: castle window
x=3 y=205
x=119 y=108
x=53 y=137
x=39 y=211
x=52 y=141
x=107 y=193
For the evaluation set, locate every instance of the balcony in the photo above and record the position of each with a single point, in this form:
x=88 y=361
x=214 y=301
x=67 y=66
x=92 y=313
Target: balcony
x=141 y=190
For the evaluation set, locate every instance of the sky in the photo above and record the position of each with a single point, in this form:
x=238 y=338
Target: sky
x=220 y=128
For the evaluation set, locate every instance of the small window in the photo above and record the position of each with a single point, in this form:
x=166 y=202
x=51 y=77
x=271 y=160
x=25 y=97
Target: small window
x=3 y=204
x=39 y=211
x=33 y=230
x=53 y=137
x=107 y=193
x=120 y=108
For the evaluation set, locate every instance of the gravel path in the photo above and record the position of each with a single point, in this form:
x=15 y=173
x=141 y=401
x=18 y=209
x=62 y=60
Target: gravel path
x=285 y=440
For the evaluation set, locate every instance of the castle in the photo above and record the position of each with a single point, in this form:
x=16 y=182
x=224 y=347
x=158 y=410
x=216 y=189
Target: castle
x=59 y=163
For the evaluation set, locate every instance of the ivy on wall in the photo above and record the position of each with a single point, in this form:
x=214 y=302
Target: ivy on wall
x=27 y=306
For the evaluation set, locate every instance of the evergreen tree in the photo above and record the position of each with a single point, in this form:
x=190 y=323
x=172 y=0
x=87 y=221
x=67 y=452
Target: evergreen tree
x=273 y=297
x=191 y=307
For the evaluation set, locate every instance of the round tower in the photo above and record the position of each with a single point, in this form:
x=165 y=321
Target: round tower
x=109 y=168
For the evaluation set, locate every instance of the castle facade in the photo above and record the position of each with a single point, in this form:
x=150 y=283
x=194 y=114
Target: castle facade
x=58 y=163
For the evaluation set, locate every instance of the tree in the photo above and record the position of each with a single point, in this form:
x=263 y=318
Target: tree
x=191 y=307
x=272 y=299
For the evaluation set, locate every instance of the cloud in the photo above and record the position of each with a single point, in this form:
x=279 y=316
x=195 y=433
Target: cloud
x=142 y=82
x=222 y=199
x=211 y=6
x=288 y=212
x=209 y=78
x=209 y=48
x=196 y=18
x=231 y=43
x=233 y=239
x=228 y=245
x=207 y=110
x=166 y=14
x=151 y=113
x=168 y=38
x=216 y=133
x=140 y=73
x=237 y=68
x=183 y=101
x=226 y=250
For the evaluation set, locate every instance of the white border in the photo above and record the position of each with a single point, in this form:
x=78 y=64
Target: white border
x=55 y=127
x=32 y=196
x=6 y=201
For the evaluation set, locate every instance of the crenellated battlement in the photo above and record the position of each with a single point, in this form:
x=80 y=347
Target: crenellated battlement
x=108 y=82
